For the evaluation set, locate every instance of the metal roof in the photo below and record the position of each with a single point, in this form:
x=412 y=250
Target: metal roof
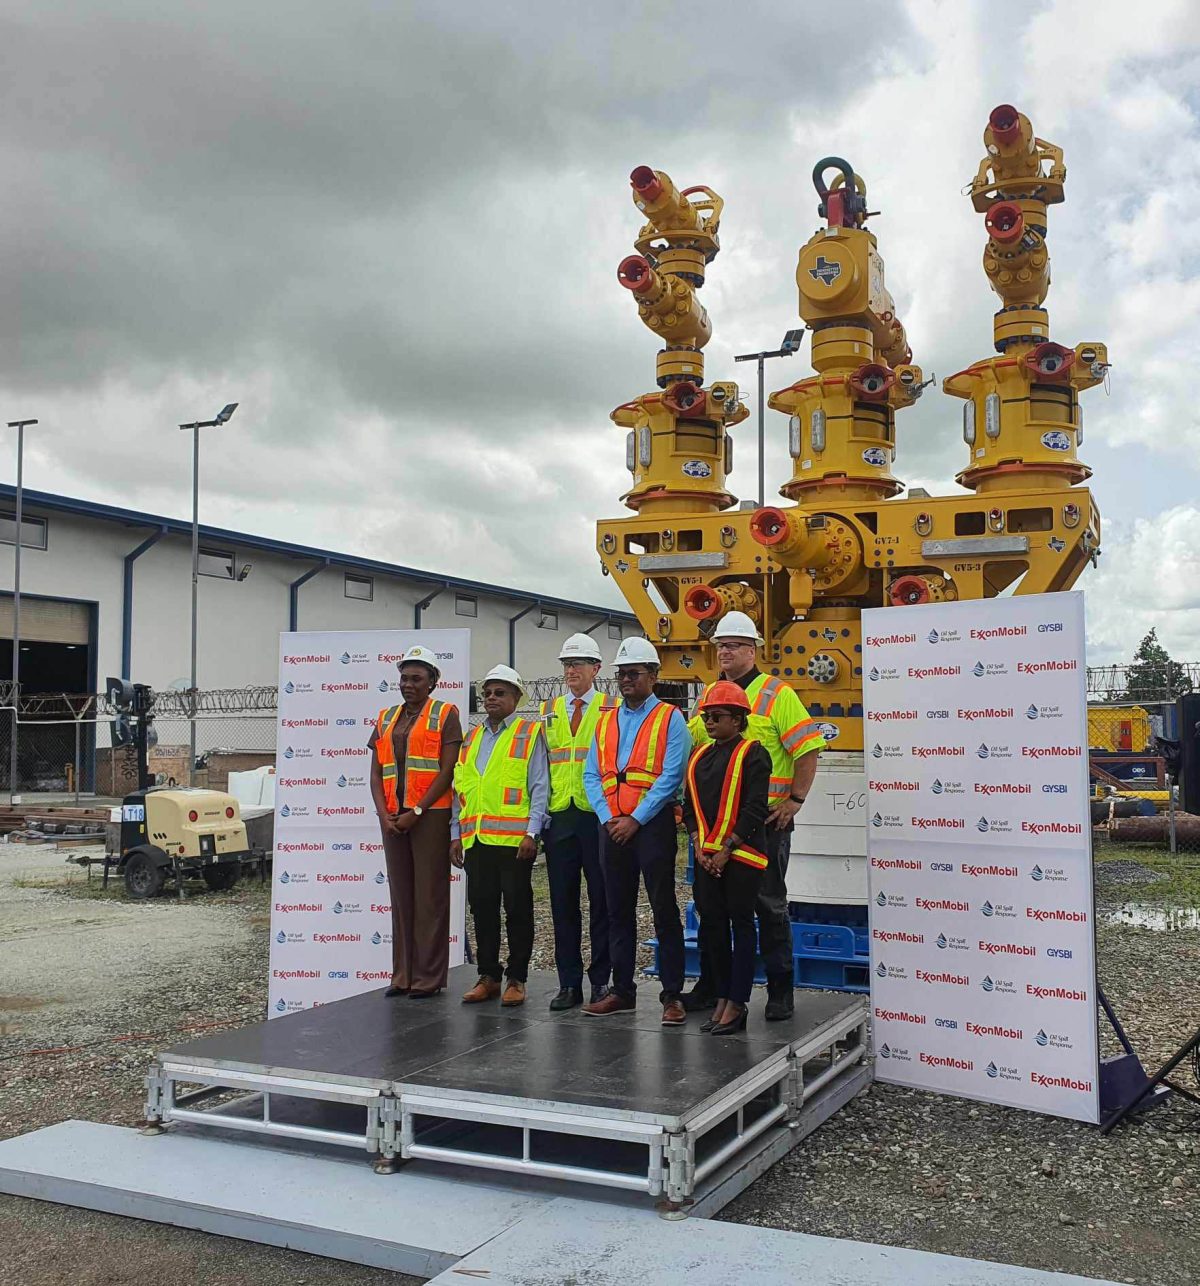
x=244 y=540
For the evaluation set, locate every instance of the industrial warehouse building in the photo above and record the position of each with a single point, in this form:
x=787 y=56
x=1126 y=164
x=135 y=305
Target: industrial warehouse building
x=107 y=591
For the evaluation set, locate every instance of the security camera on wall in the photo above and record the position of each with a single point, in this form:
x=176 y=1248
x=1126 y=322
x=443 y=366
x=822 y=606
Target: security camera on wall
x=245 y=571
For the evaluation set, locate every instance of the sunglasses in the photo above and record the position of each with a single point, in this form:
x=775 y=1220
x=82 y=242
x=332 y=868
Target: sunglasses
x=714 y=716
x=627 y=672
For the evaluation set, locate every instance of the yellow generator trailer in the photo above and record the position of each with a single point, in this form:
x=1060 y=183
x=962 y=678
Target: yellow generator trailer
x=176 y=833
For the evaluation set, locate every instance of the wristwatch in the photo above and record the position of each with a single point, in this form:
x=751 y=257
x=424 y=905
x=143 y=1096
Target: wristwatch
x=418 y=811
x=797 y=799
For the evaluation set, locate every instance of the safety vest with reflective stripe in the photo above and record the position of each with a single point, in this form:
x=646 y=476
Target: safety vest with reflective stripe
x=422 y=758
x=493 y=806
x=625 y=788
x=714 y=834
x=780 y=724
x=569 y=753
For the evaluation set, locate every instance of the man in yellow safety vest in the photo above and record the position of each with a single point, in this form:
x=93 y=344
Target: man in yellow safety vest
x=779 y=721
x=501 y=786
x=572 y=836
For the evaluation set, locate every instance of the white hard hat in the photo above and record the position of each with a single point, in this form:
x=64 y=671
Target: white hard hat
x=422 y=654
x=506 y=674
x=580 y=647
x=636 y=651
x=736 y=625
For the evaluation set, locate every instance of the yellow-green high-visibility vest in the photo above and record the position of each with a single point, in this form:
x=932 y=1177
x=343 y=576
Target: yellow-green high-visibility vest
x=493 y=806
x=780 y=724
x=568 y=753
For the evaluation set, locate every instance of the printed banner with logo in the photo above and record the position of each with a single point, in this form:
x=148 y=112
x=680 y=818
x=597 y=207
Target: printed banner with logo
x=331 y=923
x=983 y=968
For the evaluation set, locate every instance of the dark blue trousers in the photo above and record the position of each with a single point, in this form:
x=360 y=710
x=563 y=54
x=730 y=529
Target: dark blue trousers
x=573 y=855
x=650 y=858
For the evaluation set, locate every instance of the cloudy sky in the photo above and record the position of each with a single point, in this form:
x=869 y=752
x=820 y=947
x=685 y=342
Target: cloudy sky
x=390 y=231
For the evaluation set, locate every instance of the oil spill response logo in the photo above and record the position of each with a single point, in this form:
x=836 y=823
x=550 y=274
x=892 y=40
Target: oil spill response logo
x=950 y=942
x=948 y=787
x=998 y=1071
x=286 y=939
x=353 y=782
x=1036 y=712
x=297 y=752
x=943 y=636
x=895 y=1053
x=895 y=973
x=993 y=750
x=998 y=986
x=989 y=670
x=880 y=751
x=895 y=900
x=1049 y=874
x=292 y=688
x=994 y=826
x=886 y=675
x=999 y=910
x=1052 y=1040
x=887 y=821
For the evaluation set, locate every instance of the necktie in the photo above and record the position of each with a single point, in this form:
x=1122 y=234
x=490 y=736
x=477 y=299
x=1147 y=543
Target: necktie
x=576 y=715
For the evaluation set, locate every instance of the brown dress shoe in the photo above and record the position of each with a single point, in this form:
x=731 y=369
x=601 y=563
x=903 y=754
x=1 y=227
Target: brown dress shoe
x=484 y=989
x=514 y=994
x=674 y=1014
x=611 y=1003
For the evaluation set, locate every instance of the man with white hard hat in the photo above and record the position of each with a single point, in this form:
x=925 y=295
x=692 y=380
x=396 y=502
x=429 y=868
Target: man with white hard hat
x=781 y=724
x=572 y=835
x=501 y=786
x=632 y=775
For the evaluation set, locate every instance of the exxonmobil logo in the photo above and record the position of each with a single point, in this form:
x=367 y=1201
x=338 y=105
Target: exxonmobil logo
x=1000 y=632
x=892 y=716
x=1044 y=915
x=900 y=1016
x=942 y=904
x=1046 y=667
x=938 y=823
x=885 y=786
x=889 y=640
x=1052 y=828
x=939 y=752
x=343 y=752
x=1045 y=1082
x=897 y=935
x=992 y=869
x=308 y=658
x=985 y=712
x=340 y=877
x=897 y=864
x=1054 y=993
x=288 y=782
x=301 y=846
x=934 y=671
x=1004 y=1033
x=948 y=1061
x=1003 y=788
x=307 y=723
x=1051 y=752
x=287 y=908
x=944 y=978
x=1007 y=949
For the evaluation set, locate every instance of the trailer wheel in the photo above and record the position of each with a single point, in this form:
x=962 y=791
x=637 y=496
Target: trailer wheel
x=143 y=876
x=221 y=877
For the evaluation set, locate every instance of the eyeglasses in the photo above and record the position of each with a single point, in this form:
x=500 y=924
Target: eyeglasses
x=732 y=645
x=578 y=665
x=631 y=672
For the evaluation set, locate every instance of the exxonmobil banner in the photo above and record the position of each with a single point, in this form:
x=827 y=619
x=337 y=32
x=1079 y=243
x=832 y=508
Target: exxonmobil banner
x=331 y=920
x=983 y=971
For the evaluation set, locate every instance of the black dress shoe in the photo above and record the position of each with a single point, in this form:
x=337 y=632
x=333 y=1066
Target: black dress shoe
x=695 y=1000
x=598 y=993
x=781 y=1000
x=396 y=991
x=734 y=1025
x=567 y=998
x=709 y=1024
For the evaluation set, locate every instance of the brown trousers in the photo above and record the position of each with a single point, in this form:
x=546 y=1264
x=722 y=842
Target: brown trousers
x=418 y=868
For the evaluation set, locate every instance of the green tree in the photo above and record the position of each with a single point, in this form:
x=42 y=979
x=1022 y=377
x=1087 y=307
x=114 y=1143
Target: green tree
x=1152 y=675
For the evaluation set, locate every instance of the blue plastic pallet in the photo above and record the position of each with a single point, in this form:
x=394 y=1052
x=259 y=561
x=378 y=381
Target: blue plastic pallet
x=832 y=956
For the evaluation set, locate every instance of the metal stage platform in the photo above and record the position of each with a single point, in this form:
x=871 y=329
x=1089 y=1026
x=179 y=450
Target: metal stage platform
x=621 y=1102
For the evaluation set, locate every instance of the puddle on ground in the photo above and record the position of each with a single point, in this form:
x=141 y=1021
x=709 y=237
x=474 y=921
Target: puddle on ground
x=1166 y=919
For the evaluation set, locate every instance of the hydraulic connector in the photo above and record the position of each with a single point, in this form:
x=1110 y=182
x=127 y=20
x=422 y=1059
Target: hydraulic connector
x=710 y=602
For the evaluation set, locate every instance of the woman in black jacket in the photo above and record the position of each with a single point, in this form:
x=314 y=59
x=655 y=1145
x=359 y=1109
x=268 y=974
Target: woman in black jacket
x=725 y=808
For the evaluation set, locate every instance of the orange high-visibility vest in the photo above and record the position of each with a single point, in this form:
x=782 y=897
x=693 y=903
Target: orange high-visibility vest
x=624 y=788
x=712 y=837
x=422 y=759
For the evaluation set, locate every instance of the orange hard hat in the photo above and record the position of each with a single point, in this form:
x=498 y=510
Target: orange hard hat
x=725 y=693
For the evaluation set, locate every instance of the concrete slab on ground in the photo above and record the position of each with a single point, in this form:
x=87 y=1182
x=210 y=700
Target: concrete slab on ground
x=452 y=1227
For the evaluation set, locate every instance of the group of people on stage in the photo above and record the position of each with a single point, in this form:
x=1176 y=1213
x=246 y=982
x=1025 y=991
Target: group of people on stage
x=598 y=781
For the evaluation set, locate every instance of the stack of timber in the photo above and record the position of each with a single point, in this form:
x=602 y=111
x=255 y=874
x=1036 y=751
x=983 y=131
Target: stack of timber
x=54 y=825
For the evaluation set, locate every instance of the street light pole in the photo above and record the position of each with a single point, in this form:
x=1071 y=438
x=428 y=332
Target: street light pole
x=791 y=342
x=20 y=426
x=195 y=426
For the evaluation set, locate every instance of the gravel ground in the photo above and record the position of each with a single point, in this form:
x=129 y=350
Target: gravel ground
x=895 y=1166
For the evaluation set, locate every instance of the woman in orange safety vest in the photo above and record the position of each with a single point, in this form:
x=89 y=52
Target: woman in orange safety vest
x=725 y=806
x=414 y=746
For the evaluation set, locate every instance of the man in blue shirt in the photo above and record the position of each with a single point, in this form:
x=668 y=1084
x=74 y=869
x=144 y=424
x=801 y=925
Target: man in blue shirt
x=632 y=776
